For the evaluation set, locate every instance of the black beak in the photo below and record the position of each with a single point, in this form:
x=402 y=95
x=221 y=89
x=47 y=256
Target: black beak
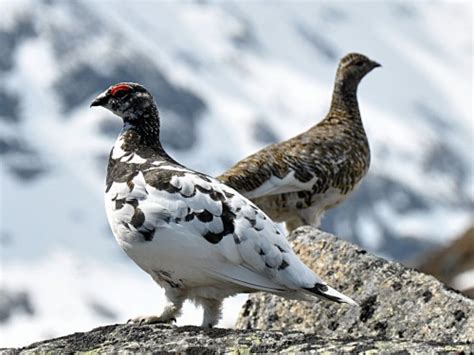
x=375 y=65
x=100 y=100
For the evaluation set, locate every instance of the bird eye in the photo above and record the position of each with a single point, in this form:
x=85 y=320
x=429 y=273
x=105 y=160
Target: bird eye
x=359 y=63
x=120 y=91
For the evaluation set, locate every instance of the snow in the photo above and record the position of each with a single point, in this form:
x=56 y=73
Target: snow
x=12 y=11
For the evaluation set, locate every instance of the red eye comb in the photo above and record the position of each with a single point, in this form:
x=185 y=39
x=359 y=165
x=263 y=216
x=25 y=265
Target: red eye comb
x=120 y=87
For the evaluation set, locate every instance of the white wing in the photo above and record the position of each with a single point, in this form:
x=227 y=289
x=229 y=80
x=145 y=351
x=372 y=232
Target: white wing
x=254 y=248
x=276 y=186
x=217 y=230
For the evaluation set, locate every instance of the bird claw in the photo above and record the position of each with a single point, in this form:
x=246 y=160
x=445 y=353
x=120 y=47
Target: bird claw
x=150 y=320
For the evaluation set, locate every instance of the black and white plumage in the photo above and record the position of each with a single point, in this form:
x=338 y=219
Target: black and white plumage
x=297 y=180
x=198 y=238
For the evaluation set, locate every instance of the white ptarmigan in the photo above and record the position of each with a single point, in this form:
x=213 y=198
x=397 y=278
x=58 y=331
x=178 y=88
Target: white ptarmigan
x=198 y=238
x=298 y=180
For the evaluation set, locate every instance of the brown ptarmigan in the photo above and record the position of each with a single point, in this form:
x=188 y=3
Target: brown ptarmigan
x=297 y=180
x=197 y=238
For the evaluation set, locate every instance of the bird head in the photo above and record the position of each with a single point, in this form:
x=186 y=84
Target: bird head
x=126 y=100
x=354 y=66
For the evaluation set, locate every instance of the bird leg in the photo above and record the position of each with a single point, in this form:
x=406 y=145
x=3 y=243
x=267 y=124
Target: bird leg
x=309 y=217
x=212 y=311
x=293 y=223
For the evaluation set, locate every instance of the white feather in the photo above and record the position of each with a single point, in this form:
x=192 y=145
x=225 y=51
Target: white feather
x=275 y=186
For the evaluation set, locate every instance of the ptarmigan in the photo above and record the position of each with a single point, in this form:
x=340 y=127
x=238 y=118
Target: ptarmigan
x=297 y=180
x=198 y=238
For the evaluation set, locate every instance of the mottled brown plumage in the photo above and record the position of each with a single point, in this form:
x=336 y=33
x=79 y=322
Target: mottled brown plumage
x=297 y=180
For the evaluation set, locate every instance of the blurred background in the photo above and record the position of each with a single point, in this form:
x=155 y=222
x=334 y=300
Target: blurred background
x=229 y=78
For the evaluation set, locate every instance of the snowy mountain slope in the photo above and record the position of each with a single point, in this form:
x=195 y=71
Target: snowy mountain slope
x=229 y=79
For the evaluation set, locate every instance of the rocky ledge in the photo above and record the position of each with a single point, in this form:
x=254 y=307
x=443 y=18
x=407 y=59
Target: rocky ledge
x=193 y=340
x=401 y=310
x=395 y=302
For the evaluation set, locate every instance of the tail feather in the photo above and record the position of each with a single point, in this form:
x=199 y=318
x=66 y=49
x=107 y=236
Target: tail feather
x=326 y=292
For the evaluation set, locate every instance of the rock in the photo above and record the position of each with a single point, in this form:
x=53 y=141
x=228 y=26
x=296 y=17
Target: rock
x=22 y=160
x=194 y=340
x=263 y=132
x=395 y=302
x=469 y=292
x=9 y=107
x=451 y=261
x=13 y=303
x=12 y=36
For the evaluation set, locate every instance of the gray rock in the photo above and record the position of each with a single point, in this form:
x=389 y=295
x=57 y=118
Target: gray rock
x=9 y=106
x=11 y=37
x=21 y=159
x=263 y=132
x=321 y=45
x=396 y=303
x=14 y=302
x=193 y=340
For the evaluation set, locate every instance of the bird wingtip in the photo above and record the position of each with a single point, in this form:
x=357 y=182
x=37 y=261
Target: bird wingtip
x=324 y=291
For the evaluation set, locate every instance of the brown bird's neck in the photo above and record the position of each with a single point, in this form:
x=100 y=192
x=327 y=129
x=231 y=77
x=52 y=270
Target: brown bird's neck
x=344 y=99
